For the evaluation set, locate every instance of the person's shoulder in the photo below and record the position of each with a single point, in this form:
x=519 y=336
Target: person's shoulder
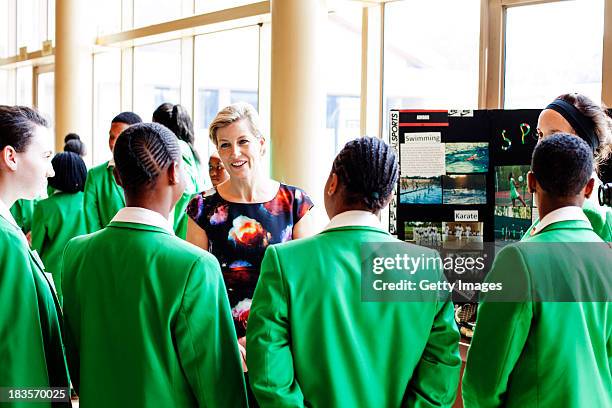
x=297 y=192
x=9 y=235
x=185 y=251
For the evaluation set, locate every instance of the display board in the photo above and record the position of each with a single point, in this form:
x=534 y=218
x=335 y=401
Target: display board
x=463 y=178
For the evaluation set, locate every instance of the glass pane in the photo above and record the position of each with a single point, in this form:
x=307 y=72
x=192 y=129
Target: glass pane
x=343 y=75
x=29 y=24
x=46 y=96
x=148 y=12
x=51 y=20
x=4 y=28
x=207 y=6
x=107 y=101
x=24 y=86
x=5 y=94
x=108 y=16
x=220 y=84
x=431 y=54
x=552 y=49
x=157 y=76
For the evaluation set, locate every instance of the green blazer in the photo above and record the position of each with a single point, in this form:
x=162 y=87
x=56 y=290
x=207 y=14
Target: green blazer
x=22 y=212
x=195 y=184
x=312 y=341
x=103 y=197
x=56 y=221
x=599 y=217
x=31 y=350
x=544 y=354
x=148 y=322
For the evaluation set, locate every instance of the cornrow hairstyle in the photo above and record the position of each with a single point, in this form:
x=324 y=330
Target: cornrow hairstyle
x=602 y=123
x=17 y=125
x=177 y=119
x=73 y=143
x=562 y=164
x=143 y=152
x=367 y=168
x=70 y=172
x=129 y=118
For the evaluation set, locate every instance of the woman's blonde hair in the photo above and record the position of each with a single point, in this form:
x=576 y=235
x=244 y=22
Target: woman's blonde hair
x=233 y=113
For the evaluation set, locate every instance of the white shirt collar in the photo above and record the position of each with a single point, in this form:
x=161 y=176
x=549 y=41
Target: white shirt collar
x=569 y=213
x=5 y=212
x=138 y=215
x=354 y=218
x=111 y=163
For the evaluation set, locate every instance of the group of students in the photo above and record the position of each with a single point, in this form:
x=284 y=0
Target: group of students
x=144 y=318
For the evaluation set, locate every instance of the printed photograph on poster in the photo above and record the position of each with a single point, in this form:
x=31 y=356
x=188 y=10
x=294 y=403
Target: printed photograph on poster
x=423 y=233
x=464 y=189
x=514 y=212
x=509 y=229
x=422 y=155
x=467 y=157
x=421 y=190
x=511 y=186
x=462 y=235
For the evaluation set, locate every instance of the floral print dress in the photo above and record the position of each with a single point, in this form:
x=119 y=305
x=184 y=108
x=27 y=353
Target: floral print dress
x=239 y=233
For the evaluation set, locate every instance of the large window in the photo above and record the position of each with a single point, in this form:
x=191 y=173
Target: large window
x=157 y=76
x=107 y=100
x=551 y=49
x=431 y=54
x=5 y=19
x=343 y=75
x=226 y=67
x=108 y=18
x=45 y=93
x=5 y=97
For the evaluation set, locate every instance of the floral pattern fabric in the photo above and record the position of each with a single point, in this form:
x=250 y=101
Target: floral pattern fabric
x=239 y=233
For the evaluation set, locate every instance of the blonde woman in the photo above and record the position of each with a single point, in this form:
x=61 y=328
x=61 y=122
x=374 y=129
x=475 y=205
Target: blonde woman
x=241 y=217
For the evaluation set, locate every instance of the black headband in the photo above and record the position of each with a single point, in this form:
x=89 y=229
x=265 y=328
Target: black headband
x=583 y=126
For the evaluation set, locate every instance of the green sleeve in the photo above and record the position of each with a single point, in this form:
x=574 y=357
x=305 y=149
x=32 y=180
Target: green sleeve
x=269 y=355
x=90 y=204
x=500 y=334
x=435 y=380
x=39 y=230
x=600 y=219
x=72 y=315
x=206 y=339
x=22 y=213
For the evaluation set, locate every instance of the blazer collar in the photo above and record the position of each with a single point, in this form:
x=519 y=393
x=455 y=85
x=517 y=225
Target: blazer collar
x=568 y=224
x=5 y=212
x=570 y=213
x=137 y=215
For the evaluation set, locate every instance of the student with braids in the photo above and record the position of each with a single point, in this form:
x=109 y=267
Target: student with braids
x=144 y=310
x=60 y=217
x=31 y=349
x=545 y=340
x=578 y=115
x=176 y=118
x=102 y=196
x=312 y=341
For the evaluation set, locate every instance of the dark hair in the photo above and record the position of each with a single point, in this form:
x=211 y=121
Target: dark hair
x=142 y=152
x=70 y=172
x=368 y=170
x=129 y=118
x=17 y=124
x=562 y=164
x=177 y=119
x=602 y=123
x=73 y=143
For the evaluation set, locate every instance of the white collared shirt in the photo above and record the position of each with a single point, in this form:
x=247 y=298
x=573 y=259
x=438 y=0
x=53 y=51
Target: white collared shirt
x=569 y=213
x=111 y=163
x=139 y=215
x=5 y=212
x=354 y=218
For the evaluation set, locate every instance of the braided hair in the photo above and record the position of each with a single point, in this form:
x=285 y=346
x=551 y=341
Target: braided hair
x=368 y=170
x=142 y=152
x=177 y=119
